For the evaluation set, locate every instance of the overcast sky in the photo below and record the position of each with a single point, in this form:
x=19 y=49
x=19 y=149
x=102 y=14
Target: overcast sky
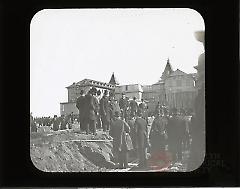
x=69 y=45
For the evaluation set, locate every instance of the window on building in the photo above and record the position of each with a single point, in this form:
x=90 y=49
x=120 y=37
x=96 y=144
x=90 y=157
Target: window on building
x=126 y=87
x=179 y=83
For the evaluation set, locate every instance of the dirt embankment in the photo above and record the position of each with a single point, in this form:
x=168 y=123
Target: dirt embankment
x=72 y=151
x=69 y=151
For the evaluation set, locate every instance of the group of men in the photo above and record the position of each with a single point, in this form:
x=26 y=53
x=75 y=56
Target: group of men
x=43 y=121
x=96 y=112
x=127 y=122
x=170 y=130
x=57 y=123
x=167 y=134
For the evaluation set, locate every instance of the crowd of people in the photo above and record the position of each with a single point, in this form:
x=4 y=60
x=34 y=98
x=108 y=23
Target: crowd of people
x=55 y=123
x=96 y=112
x=127 y=122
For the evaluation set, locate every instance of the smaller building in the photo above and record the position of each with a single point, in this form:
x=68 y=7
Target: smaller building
x=132 y=90
x=74 y=92
x=153 y=94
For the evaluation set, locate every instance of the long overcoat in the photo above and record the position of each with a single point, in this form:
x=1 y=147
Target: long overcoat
x=90 y=107
x=141 y=133
x=105 y=108
x=80 y=104
x=158 y=134
x=116 y=131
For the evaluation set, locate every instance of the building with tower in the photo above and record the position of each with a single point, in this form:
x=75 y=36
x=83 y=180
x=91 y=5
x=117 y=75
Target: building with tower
x=174 y=89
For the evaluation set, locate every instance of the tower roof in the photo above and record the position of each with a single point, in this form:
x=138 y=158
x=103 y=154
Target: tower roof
x=167 y=71
x=113 y=80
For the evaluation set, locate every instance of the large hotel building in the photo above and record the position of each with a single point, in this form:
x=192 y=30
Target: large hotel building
x=174 y=89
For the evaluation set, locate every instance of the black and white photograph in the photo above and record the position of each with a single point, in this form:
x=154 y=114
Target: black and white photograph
x=117 y=90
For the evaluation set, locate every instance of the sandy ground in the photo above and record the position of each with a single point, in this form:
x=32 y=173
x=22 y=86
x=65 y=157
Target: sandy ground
x=73 y=151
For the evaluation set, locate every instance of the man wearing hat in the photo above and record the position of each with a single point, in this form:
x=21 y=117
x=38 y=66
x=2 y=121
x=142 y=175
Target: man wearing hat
x=114 y=106
x=56 y=123
x=175 y=132
x=80 y=104
x=158 y=134
x=90 y=112
x=134 y=106
x=99 y=122
x=118 y=131
x=105 y=111
x=144 y=107
x=96 y=104
x=123 y=104
x=142 y=142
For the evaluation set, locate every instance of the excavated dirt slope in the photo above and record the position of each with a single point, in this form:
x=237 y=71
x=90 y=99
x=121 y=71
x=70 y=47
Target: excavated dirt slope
x=69 y=151
x=72 y=151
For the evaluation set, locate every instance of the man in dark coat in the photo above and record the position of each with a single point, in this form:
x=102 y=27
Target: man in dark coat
x=134 y=106
x=80 y=104
x=144 y=108
x=90 y=112
x=114 y=106
x=175 y=132
x=97 y=107
x=56 y=123
x=158 y=134
x=70 y=120
x=131 y=123
x=142 y=139
x=123 y=104
x=120 y=147
x=99 y=121
x=105 y=111
x=64 y=120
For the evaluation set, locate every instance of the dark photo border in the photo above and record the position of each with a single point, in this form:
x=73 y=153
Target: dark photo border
x=221 y=166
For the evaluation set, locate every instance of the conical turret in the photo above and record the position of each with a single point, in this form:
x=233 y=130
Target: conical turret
x=113 y=80
x=167 y=71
